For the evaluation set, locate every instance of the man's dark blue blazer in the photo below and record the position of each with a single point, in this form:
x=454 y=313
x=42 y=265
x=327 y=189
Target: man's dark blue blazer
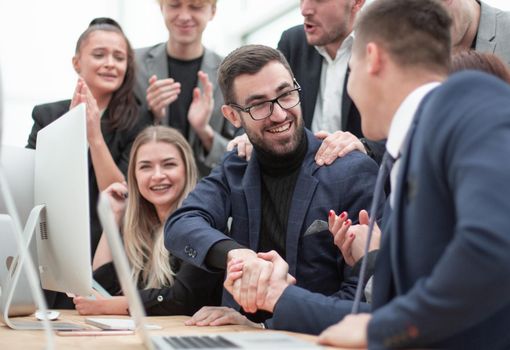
x=443 y=272
x=442 y=276
x=233 y=189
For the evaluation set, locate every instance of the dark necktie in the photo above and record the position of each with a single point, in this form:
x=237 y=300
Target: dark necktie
x=386 y=165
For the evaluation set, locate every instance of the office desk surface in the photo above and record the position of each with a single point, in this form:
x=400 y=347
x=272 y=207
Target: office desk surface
x=172 y=325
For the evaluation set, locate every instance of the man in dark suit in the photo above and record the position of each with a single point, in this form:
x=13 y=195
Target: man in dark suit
x=274 y=198
x=441 y=278
x=480 y=27
x=318 y=52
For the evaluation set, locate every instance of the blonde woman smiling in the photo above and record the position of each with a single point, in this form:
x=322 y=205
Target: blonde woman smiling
x=161 y=173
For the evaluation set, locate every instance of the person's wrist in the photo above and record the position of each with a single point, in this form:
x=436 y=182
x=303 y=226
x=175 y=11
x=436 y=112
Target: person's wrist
x=275 y=292
x=204 y=131
x=96 y=139
x=240 y=253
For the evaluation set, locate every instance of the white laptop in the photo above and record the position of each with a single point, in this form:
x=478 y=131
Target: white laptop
x=267 y=340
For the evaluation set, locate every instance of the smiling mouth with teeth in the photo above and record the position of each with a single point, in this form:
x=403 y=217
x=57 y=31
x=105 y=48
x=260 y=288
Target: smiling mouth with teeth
x=160 y=187
x=280 y=129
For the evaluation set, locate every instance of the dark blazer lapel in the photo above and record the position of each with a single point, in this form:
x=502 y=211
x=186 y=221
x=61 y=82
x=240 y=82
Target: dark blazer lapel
x=301 y=200
x=395 y=224
x=400 y=194
x=252 y=190
x=346 y=102
x=303 y=192
x=311 y=74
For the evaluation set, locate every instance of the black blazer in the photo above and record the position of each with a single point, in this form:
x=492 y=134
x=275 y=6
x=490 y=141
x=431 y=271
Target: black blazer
x=118 y=141
x=306 y=64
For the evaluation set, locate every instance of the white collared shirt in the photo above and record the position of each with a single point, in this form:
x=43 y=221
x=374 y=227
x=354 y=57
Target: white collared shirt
x=327 y=114
x=400 y=127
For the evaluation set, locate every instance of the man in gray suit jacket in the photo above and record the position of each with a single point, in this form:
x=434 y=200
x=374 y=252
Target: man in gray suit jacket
x=479 y=26
x=176 y=81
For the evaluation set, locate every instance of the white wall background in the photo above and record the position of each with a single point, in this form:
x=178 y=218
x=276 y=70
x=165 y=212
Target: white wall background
x=37 y=40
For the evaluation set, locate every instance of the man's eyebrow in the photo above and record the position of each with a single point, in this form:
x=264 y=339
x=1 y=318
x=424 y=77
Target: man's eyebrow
x=252 y=98
x=283 y=86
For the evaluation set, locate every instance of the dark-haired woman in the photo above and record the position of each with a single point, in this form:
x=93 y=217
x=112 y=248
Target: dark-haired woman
x=104 y=63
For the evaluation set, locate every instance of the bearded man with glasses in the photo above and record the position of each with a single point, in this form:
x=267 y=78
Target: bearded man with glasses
x=280 y=199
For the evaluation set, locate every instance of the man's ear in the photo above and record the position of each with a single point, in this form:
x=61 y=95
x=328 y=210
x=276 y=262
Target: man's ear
x=76 y=64
x=232 y=115
x=213 y=9
x=374 y=58
x=358 y=4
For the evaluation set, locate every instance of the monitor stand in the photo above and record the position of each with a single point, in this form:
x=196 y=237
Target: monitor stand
x=27 y=265
x=34 y=219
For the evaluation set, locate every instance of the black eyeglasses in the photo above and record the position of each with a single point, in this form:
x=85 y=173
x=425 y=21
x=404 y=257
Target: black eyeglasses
x=264 y=109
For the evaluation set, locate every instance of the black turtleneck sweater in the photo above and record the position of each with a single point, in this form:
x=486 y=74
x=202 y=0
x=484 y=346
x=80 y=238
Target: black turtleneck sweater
x=278 y=179
x=279 y=176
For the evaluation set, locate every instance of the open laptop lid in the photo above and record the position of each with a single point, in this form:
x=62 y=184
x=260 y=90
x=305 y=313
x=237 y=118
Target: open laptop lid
x=122 y=268
x=239 y=340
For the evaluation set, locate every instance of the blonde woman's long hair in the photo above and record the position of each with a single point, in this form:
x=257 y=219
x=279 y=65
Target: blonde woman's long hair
x=143 y=231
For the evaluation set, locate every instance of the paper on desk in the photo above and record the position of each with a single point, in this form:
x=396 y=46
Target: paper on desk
x=116 y=323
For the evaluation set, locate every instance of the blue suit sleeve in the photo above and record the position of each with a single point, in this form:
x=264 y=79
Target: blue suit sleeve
x=201 y=221
x=299 y=310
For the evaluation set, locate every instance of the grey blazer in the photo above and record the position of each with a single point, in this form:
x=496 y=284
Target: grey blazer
x=153 y=60
x=494 y=32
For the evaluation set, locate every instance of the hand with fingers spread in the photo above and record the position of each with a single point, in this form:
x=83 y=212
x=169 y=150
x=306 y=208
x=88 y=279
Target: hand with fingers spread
x=351 y=239
x=160 y=94
x=351 y=332
x=251 y=286
x=219 y=316
x=117 y=194
x=336 y=145
x=201 y=109
x=244 y=146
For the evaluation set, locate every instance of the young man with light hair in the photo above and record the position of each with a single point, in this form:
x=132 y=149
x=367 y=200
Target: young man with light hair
x=176 y=81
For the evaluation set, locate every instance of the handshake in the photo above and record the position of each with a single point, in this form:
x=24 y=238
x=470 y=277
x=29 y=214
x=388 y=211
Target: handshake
x=256 y=280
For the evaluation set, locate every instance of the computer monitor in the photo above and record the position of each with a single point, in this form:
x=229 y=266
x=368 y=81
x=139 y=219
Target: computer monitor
x=61 y=185
x=22 y=303
x=17 y=165
x=1 y=108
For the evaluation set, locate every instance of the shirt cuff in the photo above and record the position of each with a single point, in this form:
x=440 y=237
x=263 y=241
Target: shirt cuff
x=217 y=255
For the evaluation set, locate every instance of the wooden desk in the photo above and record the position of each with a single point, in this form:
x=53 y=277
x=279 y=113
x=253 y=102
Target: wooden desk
x=11 y=339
